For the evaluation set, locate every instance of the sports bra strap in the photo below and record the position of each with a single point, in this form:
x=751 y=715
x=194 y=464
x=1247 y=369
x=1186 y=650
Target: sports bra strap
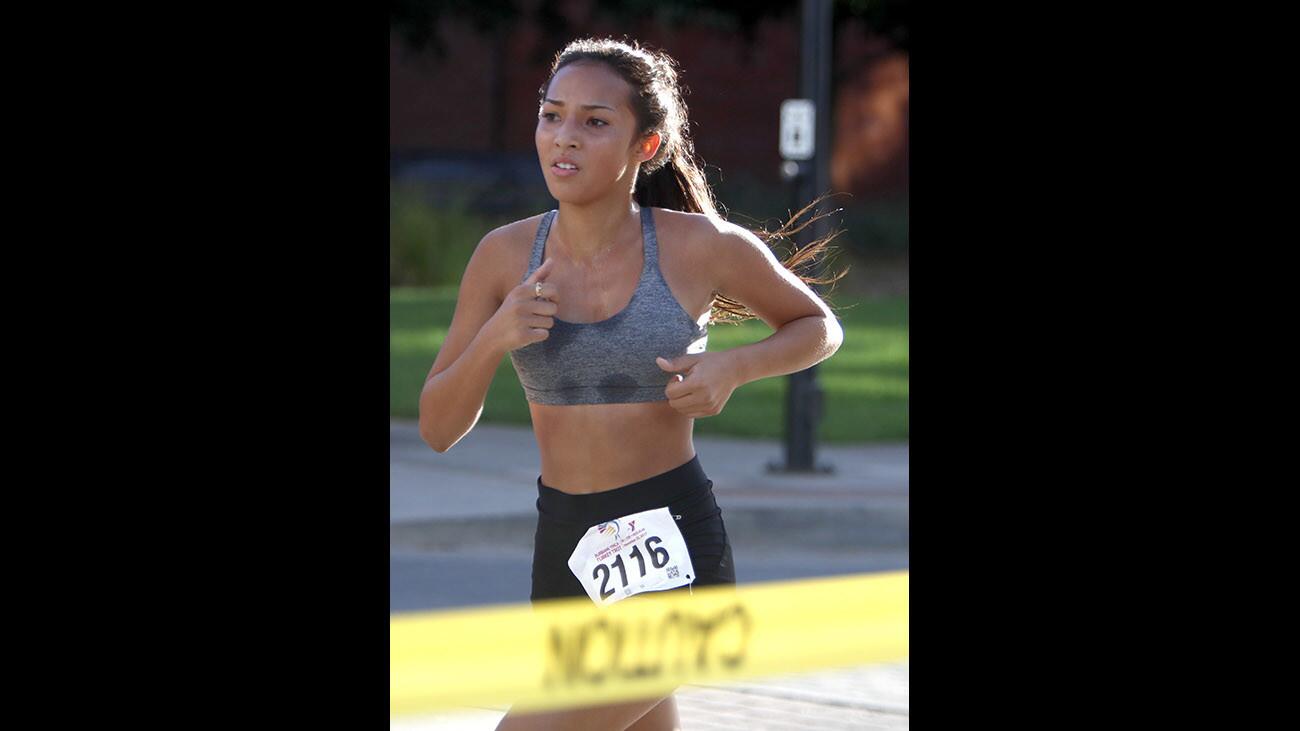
x=539 y=242
x=651 y=240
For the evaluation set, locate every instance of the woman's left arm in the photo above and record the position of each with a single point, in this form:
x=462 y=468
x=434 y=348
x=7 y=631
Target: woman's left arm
x=806 y=332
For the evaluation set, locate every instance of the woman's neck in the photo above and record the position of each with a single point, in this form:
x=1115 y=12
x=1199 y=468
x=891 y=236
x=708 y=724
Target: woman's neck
x=588 y=231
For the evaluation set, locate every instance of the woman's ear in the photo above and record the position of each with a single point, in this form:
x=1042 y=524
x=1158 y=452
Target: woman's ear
x=649 y=146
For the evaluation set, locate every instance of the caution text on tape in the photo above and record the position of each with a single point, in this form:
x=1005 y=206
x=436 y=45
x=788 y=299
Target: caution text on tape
x=568 y=653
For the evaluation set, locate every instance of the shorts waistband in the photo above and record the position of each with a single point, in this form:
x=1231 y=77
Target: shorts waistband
x=653 y=492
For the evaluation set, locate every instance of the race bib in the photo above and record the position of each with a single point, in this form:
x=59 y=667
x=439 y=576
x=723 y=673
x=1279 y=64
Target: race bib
x=632 y=554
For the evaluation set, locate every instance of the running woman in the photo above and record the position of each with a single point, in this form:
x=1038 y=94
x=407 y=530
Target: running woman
x=603 y=307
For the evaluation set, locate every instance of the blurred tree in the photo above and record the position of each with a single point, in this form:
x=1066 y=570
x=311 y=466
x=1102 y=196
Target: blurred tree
x=887 y=18
x=417 y=20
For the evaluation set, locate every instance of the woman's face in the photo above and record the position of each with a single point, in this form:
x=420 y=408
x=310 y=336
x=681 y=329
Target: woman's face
x=585 y=134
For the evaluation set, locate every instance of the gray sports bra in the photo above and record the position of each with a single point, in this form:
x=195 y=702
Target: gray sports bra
x=611 y=361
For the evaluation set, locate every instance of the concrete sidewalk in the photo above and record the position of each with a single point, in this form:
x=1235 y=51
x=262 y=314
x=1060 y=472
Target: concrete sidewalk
x=490 y=476
x=871 y=697
x=494 y=469
x=474 y=505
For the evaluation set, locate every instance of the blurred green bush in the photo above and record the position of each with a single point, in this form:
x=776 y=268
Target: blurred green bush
x=433 y=229
x=429 y=244
x=873 y=226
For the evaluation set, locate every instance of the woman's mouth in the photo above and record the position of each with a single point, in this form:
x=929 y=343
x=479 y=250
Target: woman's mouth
x=564 y=169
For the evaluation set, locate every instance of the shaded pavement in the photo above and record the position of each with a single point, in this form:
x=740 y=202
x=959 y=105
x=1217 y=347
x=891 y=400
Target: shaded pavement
x=461 y=529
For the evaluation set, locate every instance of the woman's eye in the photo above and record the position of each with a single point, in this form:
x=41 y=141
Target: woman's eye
x=549 y=116
x=598 y=122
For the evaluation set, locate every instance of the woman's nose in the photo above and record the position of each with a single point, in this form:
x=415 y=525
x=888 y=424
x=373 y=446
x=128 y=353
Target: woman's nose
x=565 y=138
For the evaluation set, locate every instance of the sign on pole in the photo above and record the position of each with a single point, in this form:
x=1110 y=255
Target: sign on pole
x=798 y=117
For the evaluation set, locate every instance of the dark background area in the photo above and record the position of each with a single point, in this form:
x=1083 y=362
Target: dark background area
x=463 y=84
x=463 y=90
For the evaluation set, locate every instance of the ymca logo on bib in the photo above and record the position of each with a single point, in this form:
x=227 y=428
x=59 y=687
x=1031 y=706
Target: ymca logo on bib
x=633 y=554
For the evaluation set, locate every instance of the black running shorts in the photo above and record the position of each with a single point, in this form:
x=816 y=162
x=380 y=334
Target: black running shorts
x=562 y=519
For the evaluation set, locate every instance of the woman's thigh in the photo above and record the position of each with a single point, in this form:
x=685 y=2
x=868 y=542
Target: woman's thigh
x=662 y=717
x=655 y=714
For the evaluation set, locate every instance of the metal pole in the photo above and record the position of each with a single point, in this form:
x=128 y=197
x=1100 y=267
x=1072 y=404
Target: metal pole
x=804 y=396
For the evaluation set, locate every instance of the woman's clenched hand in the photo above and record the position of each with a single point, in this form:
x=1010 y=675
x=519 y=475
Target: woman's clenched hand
x=703 y=384
x=524 y=318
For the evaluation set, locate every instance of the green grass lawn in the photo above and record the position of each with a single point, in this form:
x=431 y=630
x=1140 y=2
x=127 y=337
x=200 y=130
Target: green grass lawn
x=865 y=383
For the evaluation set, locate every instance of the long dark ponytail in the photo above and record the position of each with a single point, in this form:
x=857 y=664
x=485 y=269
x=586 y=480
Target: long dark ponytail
x=674 y=178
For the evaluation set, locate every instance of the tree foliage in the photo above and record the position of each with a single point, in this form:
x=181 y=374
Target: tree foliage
x=417 y=20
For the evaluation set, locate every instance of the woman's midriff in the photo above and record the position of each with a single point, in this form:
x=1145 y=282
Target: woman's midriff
x=597 y=447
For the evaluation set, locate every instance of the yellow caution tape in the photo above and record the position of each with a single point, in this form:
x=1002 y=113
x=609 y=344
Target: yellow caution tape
x=566 y=653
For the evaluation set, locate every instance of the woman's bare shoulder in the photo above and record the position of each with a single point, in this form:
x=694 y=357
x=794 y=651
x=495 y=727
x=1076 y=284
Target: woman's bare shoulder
x=504 y=252
x=696 y=228
x=694 y=236
x=513 y=234
x=505 y=245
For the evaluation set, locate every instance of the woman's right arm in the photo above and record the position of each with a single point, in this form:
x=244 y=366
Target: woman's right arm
x=483 y=329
